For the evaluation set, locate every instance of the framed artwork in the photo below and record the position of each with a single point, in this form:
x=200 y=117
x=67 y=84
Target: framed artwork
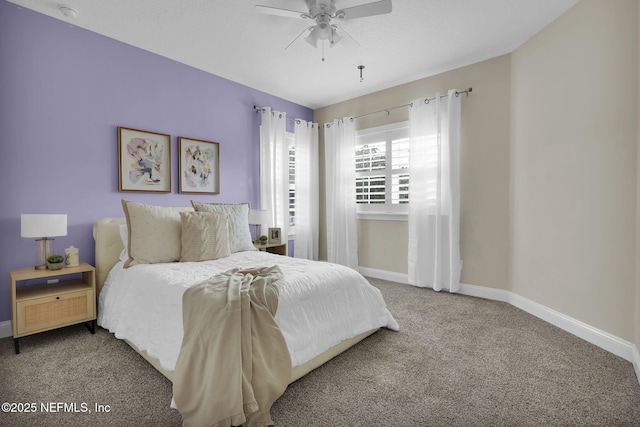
x=144 y=161
x=274 y=235
x=199 y=166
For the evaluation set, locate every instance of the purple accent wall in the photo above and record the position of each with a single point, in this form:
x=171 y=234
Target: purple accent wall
x=63 y=93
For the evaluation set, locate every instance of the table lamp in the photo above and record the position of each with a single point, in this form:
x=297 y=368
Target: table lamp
x=44 y=227
x=257 y=218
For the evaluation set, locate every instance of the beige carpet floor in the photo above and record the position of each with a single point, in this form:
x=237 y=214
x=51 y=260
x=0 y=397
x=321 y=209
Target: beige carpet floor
x=457 y=361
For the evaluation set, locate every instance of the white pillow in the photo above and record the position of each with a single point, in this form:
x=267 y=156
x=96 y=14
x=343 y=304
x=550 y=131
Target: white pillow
x=155 y=233
x=238 y=219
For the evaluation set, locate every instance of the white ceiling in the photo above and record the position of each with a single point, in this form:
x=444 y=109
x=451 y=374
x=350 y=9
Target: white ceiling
x=227 y=38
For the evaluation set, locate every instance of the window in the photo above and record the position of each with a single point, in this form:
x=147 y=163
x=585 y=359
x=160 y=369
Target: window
x=382 y=169
x=291 y=143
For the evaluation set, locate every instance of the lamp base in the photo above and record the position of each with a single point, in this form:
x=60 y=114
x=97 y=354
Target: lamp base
x=44 y=248
x=256 y=231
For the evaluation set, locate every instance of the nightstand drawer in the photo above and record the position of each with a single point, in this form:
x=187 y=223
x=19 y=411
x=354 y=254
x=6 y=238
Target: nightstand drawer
x=55 y=310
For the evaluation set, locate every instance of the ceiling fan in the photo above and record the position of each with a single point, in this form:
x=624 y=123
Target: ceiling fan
x=323 y=12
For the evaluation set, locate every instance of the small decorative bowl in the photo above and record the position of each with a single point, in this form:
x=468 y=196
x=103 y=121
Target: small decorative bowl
x=55 y=266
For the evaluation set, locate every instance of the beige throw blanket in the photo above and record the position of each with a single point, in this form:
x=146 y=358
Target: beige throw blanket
x=234 y=362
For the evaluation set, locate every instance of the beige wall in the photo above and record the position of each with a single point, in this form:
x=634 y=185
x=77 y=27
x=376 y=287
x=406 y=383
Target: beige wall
x=484 y=238
x=550 y=174
x=637 y=319
x=573 y=165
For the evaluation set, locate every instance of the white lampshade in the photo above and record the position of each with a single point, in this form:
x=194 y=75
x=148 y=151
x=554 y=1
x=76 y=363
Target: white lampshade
x=43 y=225
x=257 y=217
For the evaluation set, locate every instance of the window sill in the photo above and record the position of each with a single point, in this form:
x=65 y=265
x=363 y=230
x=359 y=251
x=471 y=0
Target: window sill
x=382 y=216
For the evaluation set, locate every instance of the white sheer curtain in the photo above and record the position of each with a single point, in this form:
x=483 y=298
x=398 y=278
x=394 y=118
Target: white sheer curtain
x=274 y=170
x=342 y=235
x=434 y=193
x=307 y=190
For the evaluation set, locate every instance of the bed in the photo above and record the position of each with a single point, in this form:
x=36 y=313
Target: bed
x=142 y=304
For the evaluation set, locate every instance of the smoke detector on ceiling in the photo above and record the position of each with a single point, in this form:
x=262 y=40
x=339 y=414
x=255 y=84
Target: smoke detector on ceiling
x=68 y=11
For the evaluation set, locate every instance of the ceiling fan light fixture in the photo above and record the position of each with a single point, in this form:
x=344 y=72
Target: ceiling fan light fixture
x=323 y=28
x=323 y=12
x=335 y=37
x=312 y=38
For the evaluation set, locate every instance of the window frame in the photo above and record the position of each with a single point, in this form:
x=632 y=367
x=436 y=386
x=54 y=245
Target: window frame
x=387 y=211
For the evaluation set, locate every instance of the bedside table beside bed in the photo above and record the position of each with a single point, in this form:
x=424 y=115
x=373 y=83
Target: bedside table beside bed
x=44 y=307
x=273 y=248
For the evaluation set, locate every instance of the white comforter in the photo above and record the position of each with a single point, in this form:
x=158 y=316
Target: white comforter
x=320 y=304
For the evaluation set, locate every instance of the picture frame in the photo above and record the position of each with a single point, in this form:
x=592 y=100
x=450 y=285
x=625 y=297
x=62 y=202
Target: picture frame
x=274 y=235
x=144 y=161
x=199 y=166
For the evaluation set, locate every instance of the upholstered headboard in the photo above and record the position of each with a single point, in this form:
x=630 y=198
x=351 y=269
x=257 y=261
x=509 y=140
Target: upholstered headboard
x=106 y=233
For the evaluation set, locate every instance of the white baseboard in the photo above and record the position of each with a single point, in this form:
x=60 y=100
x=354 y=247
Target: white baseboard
x=484 y=292
x=384 y=275
x=5 y=329
x=602 y=339
x=636 y=362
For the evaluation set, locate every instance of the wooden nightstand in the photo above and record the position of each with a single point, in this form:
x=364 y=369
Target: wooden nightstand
x=41 y=308
x=274 y=248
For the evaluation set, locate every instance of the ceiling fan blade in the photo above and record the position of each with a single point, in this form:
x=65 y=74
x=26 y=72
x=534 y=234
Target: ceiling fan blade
x=287 y=13
x=369 y=9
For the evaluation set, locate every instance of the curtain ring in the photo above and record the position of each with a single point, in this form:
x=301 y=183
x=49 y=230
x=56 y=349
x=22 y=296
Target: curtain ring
x=298 y=121
x=427 y=100
x=351 y=119
x=457 y=94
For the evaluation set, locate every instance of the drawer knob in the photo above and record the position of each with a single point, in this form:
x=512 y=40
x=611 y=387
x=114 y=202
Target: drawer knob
x=57 y=297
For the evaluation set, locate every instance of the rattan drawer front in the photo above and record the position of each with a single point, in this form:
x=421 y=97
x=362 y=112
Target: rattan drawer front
x=54 y=311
